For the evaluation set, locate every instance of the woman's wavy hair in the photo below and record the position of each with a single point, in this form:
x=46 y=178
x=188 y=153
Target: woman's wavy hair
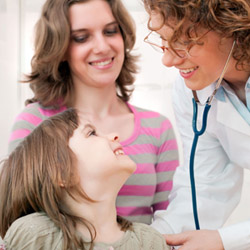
x=37 y=175
x=50 y=77
x=229 y=18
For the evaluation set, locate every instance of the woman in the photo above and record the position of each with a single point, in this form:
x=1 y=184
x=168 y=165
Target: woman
x=69 y=175
x=83 y=59
x=207 y=41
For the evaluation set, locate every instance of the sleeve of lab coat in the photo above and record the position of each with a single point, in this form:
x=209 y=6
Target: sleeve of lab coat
x=218 y=182
x=236 y=236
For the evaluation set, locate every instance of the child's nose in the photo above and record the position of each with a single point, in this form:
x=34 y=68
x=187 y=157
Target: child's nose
x=113 y=137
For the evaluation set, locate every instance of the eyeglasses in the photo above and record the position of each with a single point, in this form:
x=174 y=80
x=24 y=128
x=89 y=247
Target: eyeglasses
x=154 y=39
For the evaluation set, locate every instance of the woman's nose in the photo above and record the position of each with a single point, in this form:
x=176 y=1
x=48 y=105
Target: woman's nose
x=101 y=44
x=171 y=60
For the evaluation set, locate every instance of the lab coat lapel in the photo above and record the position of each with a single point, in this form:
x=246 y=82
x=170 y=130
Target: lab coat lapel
x=229 y=117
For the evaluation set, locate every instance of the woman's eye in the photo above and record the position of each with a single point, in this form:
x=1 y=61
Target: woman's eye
x=110 y=32
x=80 y=39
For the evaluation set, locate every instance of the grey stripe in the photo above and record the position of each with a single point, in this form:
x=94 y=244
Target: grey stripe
x=161 y=196
x=150 y=139
x=154 y=122
x=22 y=124
x=35 y=110
x=146 y=139
x=170 y=155
x=149 y=179
x=134 y=201
x=146 y=219
x=165 y=176
x=168 y=135
x=144 y=158
x=142 y=179
x=153 y=159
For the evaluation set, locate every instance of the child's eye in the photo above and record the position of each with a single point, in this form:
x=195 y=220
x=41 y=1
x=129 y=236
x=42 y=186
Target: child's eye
x=92 y=132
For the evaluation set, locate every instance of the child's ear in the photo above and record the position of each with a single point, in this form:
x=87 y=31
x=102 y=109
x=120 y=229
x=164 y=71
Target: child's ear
x=62 y=184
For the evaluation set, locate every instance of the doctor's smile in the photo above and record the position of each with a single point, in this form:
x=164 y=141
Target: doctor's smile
x=187 y=73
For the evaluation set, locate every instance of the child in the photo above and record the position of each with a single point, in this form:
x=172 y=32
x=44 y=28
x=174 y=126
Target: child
x=58 y=190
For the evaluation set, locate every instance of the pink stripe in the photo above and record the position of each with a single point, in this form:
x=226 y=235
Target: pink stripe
x=136 y=190
x=51 y=112
x=148 y=114
x=150 y=148
x=30 y=118
x=126 y=211
x=140 y=149
x=145 y=168
x=18 y=134
x=157 y=131
x=161 y=205
x=149 y=168
x=143 y=114
x=168 y=145
x=164 y=186
x=167 y=166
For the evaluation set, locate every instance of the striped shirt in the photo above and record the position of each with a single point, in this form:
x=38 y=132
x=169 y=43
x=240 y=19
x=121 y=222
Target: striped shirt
x=152 y=146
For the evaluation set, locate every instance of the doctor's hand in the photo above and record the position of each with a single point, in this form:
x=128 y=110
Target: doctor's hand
x=196 y=240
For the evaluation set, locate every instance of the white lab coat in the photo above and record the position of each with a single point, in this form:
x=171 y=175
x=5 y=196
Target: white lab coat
x=222 y=153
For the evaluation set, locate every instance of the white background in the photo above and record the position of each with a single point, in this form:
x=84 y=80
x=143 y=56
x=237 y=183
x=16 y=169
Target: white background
x=152 y=86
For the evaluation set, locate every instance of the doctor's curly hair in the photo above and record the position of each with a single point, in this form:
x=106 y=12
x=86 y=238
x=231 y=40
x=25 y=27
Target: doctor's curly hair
x=229 y=18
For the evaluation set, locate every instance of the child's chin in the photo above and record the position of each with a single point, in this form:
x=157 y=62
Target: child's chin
x=132 y=166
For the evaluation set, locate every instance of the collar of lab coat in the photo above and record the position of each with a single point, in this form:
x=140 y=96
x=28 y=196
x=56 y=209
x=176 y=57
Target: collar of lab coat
x=203 y=94
x=230 y=117
x=226 y=112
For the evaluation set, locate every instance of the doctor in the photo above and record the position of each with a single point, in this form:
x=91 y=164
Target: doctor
x=196 y=37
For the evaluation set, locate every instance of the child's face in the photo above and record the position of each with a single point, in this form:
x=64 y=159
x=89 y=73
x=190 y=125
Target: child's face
x=100 y=158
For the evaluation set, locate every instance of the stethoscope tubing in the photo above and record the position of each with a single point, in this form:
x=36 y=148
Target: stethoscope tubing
x=197 y=133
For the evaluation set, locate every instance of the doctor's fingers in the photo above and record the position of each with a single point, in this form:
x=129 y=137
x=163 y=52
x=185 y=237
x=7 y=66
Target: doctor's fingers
x=176 y=239
x=196 y=240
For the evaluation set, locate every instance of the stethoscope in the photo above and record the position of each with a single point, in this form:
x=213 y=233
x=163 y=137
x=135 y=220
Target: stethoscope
x=198 y=133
